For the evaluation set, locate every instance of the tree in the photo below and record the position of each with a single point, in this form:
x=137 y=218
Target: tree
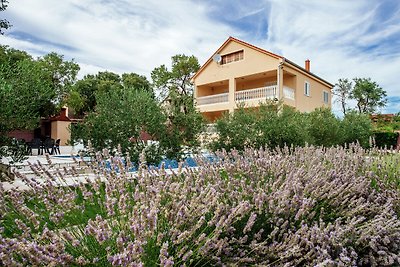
x=10 y=56
x=184 y=124
x=342 y=90
x=271 y=124
x=83 y=94
x=368 y=94
x=175 y=91
x=324 y=127
x=134 y=80
x=29 y=89
x=62 y=75
x=178 y=79
x=356 y=127
x=4 y=24
x=120 y=117
x=25 y=94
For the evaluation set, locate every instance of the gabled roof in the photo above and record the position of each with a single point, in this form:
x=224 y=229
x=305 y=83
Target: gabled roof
x=261 y=51
x=240 y=42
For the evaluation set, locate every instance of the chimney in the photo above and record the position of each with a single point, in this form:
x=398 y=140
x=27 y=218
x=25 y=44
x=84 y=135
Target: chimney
x=307 y=65
x=64 y=112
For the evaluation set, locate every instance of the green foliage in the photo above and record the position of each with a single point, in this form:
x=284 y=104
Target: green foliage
x=183 y=125
x=61 y=74
x=134 y=80
x=119 y=119
x=279 y=126
x=10 y=56
x=85 y=99
x=236 y=130
x=4 y=24
x=368 y=94
x=25 y=96
x=174 y=89
x=90 y=85
x=274 y=125
x=386 y=139
x=271 y=124
x=120 y=108
x=387 y=124
x=343 y=90
x=356 y=128
x=385 y=129
x=178 y=78
x=324 y=128
x=30 y=89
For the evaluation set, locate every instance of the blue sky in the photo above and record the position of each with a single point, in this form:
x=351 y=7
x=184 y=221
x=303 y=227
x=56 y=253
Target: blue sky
x=342 y=38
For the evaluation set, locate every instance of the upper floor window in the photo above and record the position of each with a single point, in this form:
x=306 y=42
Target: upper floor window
x=307 y=88
x=326 y=97
x=232 y=57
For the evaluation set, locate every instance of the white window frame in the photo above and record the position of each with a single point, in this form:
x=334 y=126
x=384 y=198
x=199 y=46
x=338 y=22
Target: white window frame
x=307 y=88
x=327 y=96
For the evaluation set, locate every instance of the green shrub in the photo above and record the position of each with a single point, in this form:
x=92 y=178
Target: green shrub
x=121 y=116
x=278 y=128
x=356 y=127
x=237 y=130
x=276 y=125
x=324 y=128
x=388 y=139
x=270 y=125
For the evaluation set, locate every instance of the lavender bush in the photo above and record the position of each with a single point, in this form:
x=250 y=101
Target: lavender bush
x=304 y=206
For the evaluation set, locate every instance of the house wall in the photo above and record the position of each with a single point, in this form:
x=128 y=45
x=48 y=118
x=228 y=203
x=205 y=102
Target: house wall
x=254 y=71
x=253 y=62
x=26 y=135
x=305 y=103
x=251 y=84
x=210 y=117
x=289 y=81
x=206 y=90
x=60 y=130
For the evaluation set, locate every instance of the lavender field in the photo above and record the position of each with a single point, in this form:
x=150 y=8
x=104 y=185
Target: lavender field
x=305 y=206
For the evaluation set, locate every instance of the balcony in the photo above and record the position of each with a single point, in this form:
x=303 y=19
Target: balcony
x=261 y=93
x=288 y=93
x=212 y=99
x=267 y=92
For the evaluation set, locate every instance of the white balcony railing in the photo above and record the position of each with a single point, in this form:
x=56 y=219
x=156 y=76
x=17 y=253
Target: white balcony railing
x=288 y=93
x=212 y=99
x=269 y=92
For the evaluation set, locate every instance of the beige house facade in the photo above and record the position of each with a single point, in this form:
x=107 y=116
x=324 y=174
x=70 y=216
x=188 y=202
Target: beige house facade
x=239 y=73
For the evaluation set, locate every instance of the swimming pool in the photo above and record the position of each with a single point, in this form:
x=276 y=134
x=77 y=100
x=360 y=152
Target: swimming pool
x=168 y=163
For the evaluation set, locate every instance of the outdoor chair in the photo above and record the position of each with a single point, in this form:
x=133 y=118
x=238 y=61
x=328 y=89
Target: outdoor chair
x=49 y=146
x=57 y=147
x=36 y=143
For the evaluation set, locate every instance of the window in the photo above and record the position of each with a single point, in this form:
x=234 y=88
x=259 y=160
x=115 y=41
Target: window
x=232 y=57
x=326 y=97
x=307 y=88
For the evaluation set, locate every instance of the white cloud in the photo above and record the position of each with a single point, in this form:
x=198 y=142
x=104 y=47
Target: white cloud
x=120 y=36
x=343 y=39
x=335 y=36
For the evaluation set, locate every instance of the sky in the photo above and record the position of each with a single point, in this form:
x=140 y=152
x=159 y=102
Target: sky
x=342 y=38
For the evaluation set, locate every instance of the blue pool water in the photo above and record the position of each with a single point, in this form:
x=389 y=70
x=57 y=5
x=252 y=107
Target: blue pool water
x=168 y=163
